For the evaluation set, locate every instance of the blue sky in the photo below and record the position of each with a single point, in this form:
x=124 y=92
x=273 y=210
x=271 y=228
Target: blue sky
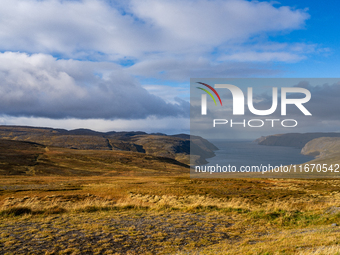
x=126 y=65
x=321 y=29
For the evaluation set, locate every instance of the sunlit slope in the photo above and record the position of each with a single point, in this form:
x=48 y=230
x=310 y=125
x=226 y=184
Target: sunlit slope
x=296 y=140
x=325 y=149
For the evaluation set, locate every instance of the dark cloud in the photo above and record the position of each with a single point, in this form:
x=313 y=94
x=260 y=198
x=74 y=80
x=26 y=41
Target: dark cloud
x=323 y=105
x=325 y=101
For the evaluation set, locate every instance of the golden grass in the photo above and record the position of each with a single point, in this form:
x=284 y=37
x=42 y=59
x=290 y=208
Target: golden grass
x=302 y=242
x=168 y=214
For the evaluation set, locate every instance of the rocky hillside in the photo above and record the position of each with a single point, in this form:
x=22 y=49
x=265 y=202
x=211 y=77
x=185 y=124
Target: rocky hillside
x=175 y=146
x=322 y=147
x=296 y=140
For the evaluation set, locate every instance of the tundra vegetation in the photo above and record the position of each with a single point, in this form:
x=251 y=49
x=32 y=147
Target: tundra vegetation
x=57 y=200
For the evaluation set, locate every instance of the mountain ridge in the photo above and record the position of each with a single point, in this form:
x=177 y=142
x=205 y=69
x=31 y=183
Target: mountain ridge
x=171 y=146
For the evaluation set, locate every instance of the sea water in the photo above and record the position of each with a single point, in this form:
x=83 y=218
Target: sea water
x=247 y=153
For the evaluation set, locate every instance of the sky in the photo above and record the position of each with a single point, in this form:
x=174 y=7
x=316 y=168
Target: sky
x=126 y=65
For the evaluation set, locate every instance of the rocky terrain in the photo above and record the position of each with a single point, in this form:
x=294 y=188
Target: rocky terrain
x=68 y=200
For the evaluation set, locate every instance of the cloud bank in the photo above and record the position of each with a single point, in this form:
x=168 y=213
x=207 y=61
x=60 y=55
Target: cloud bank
x=93 y=59
x=137 y=28
x=42 y=86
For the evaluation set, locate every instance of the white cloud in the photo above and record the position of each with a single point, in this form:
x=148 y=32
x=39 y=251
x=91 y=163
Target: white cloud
x=42 y=86
x=199 y=67
x=149 y=124
x=86 y=28
x=46 y=70
x=269 y=52
x=214 y=22
x=169 y=93
x=252 y=56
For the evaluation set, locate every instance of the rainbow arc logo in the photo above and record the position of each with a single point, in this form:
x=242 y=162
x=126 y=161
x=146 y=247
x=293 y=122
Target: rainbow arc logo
x=209 y=93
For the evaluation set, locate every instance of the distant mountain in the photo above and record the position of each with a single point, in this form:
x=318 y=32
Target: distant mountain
x=296 y=140
x=173 y=146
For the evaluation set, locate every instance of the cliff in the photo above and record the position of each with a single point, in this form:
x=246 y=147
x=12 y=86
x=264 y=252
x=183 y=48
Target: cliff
x=296 y=140
x=322 y=147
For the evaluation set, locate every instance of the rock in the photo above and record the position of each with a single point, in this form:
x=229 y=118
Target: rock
x=333 y=210
x=334 y=225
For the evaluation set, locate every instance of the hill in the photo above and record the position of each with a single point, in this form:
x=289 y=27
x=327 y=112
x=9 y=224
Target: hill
x=322 y=147
x=296 y=140
x=27 y=158
x=325 y=149
x=173 y=146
